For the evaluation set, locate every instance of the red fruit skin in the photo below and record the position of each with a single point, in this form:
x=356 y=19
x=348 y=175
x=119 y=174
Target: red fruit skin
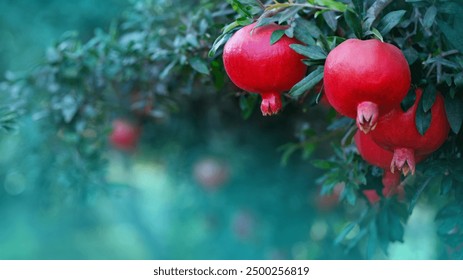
x=124 y=135
x=366 y=79
x=380 y=157
x=256 y=66
x=397 y=132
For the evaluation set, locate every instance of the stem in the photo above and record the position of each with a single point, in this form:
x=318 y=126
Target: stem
x=261 y=4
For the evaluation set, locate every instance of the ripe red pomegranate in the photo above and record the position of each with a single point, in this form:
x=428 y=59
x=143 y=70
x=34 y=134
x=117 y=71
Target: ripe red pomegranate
x=377 y=156
x=397 y=132
x=124 y=135
x=366 y=79
x=254 y=65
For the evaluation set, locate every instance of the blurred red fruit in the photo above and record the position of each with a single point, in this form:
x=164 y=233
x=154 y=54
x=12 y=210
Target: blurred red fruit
x=211 y=173
x=124 y=135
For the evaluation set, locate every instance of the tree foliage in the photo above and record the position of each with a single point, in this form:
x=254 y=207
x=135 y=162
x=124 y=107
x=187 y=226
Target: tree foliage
x=161 y=54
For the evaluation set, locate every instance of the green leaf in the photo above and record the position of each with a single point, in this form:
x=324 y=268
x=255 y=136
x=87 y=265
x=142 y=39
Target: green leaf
x=422 y=118
x=330 y=19
x=322 y=164
x=429 y=97
x=247 y=104
x=411 y=55
x=276 y=35
x=446 y=185
x=344 y=232
x=358 y=6
x=221 y=40
x=241 y=9
x=312 y=52
x=376 y=33
x=288 y=150
x=307 y=83
x=309 y=27
x=198 y=64
x=429 y=17
x=302 y=32
x=458 y=80
x=263 y=21
x=332 y=5
x=417 y=195
x=288 y=14
x=454 y=111
x=389 y=21
x=354 y=22
x=453 y=36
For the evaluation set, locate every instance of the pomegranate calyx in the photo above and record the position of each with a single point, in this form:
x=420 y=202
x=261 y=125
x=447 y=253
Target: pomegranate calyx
x=367 y=116
x=403 y=160
x=271 y=103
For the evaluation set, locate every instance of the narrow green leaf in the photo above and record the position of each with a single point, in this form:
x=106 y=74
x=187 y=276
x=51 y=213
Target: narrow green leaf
x=289 y=32
x=417 y=195
x=289 y=13
x=446 y=185
x=322 y=164
x=332 y=5
x=308 y=82
x=288 y=151
x=263 y=21
x=389 y=21
x=219 y=42
x=276 y=35
x=422 y=118
x=312 y=52
x=241 y=9
x=303 y=33
x=458 y=80
x=411 y=55
x=330 y=19
x=454 y=111
x=453 y=36
x=199 y=65
x=429 y=96
x=354 y=22
x=358 y=6
x=247 y=104
x=344 y=232
x=429 y=17
x=377 y=34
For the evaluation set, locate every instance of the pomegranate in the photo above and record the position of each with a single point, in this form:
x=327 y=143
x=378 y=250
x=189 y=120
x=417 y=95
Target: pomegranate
x=366 y=79
x=211 y=173
x=372 y=196
x=377 y=156
x=397 y=132
x=124 y=135
x=254 y=65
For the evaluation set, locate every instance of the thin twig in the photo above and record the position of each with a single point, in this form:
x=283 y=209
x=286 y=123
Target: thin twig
x=262 y=6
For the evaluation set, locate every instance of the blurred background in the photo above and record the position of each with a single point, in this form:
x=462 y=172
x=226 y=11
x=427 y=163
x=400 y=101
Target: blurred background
x=202 y=184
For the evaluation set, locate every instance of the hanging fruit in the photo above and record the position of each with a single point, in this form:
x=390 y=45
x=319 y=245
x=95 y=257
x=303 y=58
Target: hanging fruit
x=255 y=65
x=124 y=135
x=365 y=79
x=397 y=133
